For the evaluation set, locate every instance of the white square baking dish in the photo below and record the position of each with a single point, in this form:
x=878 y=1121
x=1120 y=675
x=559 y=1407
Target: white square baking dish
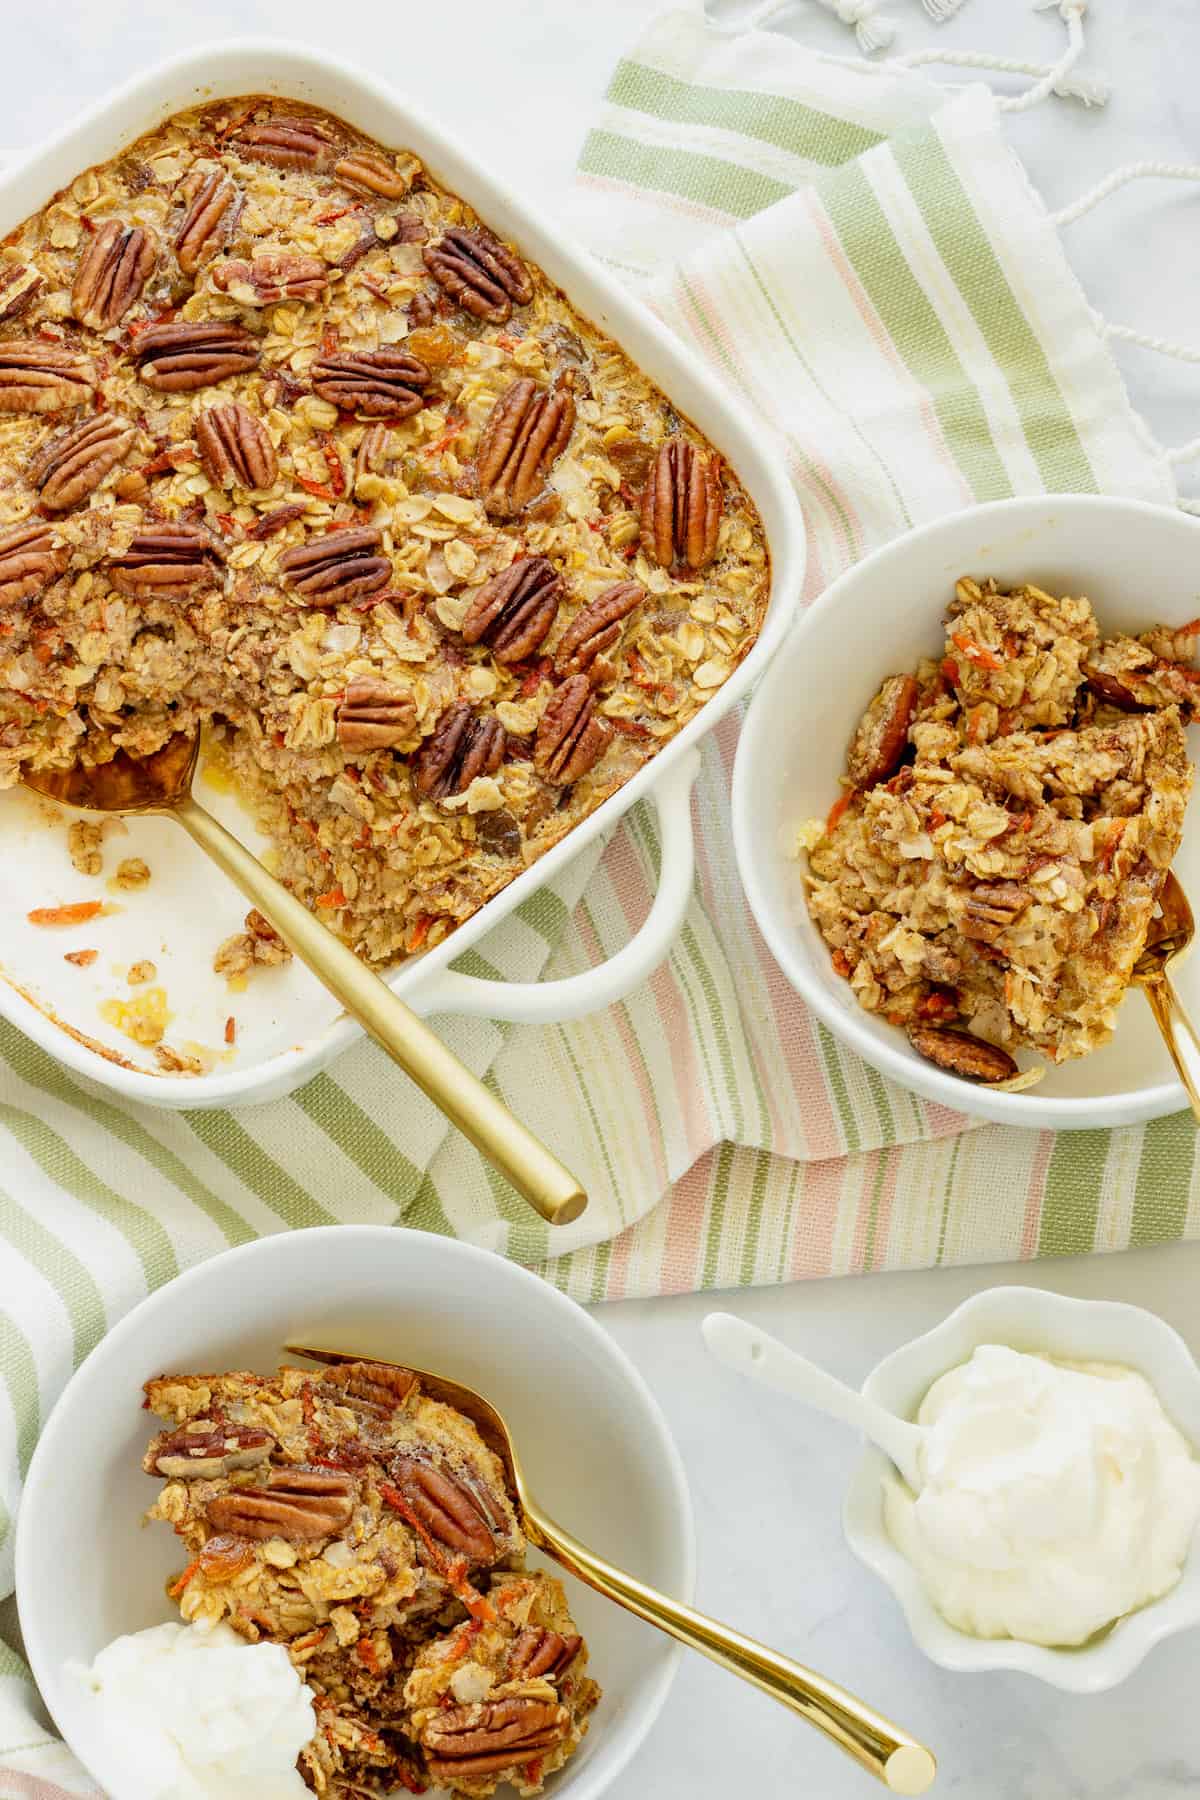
x=293 y=1028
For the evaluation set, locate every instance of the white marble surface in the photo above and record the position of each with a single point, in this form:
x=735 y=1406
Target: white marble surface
x=519 y=81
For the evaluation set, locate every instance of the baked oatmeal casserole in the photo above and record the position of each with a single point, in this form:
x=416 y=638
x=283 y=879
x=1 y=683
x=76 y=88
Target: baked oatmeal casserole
x=989 y=873
x=367 y=1528
x=291 y=443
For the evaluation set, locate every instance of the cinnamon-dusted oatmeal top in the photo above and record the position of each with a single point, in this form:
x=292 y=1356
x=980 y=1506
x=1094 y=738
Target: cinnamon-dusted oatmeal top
x=291 y=442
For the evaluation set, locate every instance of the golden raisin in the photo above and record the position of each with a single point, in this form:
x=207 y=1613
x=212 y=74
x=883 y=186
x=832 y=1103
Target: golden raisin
x=221 y=1558
x=435 y=345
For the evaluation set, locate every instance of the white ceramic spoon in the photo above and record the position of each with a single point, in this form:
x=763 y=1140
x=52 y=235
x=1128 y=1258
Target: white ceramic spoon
x=751 y=1352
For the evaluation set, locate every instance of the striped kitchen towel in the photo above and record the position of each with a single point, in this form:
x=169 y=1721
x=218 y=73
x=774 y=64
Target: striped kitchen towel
x=866 y=263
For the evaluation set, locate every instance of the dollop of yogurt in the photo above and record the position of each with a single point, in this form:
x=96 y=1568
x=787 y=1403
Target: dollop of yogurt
x=197 y=1713
x=1055 y=1497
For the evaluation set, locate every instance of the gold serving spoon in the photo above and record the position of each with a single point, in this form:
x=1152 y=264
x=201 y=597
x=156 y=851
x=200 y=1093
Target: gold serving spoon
x=1169 y=936
x=162 y=783
x=881 y=1748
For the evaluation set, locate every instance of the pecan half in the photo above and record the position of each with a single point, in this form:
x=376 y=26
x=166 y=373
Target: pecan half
x=372 y=455
x=19 y=288
x=166 y=562
x=296 y=1504
x=72 y=465
x=199 y=1455
x=479 y=273
x=376 y=384
x=112 y=272
x=37 y=377
x=879 y=742
x=421 y=309
x=446 y=1507
x=961 y=1053
x=273 y=276
x=377 y=1388
x=368 y=173
x=206 y=221
x=540 y=1652
x=527 y=431
x=681 y=506
x=29 y=561
x=342 y=566
x=571 y=737
x=1107 y=687
x=286 y=143
x=235 y=448
x=374 y=715
x=462 y=1743
x=514 y=611
x=179 y=357
x=991 y=907
x=596 y=627
x=461 y=746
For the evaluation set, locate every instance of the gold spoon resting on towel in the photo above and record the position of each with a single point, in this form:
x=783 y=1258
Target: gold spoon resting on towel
x=162 y=783
x=1168 y=937
x=883 y=1749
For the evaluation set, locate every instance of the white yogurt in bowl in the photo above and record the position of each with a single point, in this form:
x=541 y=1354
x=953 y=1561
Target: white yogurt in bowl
x=1056 y=1497
x=1053 y=1529
x=200 y=1714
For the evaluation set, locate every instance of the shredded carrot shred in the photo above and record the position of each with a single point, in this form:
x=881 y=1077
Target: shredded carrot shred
x=76 y=914
x=321 y=489
x=1110 y=849
x=333 y=462
x=837 y=809
x=335 y=897
x=176 y=1588
x=444 y=442
x=983 y=659
x=420 y=931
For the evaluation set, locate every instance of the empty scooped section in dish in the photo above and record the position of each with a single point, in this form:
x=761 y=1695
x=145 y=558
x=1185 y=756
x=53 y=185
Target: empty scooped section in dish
x=176 y=921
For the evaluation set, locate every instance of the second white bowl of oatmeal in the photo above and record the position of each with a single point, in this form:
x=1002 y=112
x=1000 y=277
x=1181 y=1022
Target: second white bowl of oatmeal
x=589 y=1431
x=1139 y=565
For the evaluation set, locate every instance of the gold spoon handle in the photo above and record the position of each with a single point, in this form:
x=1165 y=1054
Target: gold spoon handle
x=534 y=1171
x=897 y=1760
x=1179 y=1034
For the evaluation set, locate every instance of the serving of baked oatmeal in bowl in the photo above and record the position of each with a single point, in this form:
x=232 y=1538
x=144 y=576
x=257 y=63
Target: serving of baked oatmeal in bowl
x=956 y=847
x=201 y=1499
x=311 y=436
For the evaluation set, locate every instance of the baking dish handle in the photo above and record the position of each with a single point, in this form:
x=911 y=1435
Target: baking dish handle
x=552 y=1002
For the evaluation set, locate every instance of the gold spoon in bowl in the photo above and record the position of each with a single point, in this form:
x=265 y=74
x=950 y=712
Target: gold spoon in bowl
x=897 y=1760
x=1170 y=934
x=162 y=783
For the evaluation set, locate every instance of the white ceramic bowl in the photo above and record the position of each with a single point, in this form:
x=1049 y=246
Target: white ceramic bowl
x=595 y=1445
x=1080 y=1330
x=294 y=1027
x=1139 y=565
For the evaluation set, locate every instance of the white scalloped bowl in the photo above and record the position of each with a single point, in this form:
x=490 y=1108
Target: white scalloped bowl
x=1082 y=1330
x=597 y=1450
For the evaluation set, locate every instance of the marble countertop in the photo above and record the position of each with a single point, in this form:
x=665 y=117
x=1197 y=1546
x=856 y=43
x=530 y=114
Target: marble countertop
x=767 y=1478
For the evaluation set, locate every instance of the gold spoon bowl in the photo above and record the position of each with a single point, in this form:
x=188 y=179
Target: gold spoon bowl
x=903 y=1765
x=162 y=783
x=1170 y=934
